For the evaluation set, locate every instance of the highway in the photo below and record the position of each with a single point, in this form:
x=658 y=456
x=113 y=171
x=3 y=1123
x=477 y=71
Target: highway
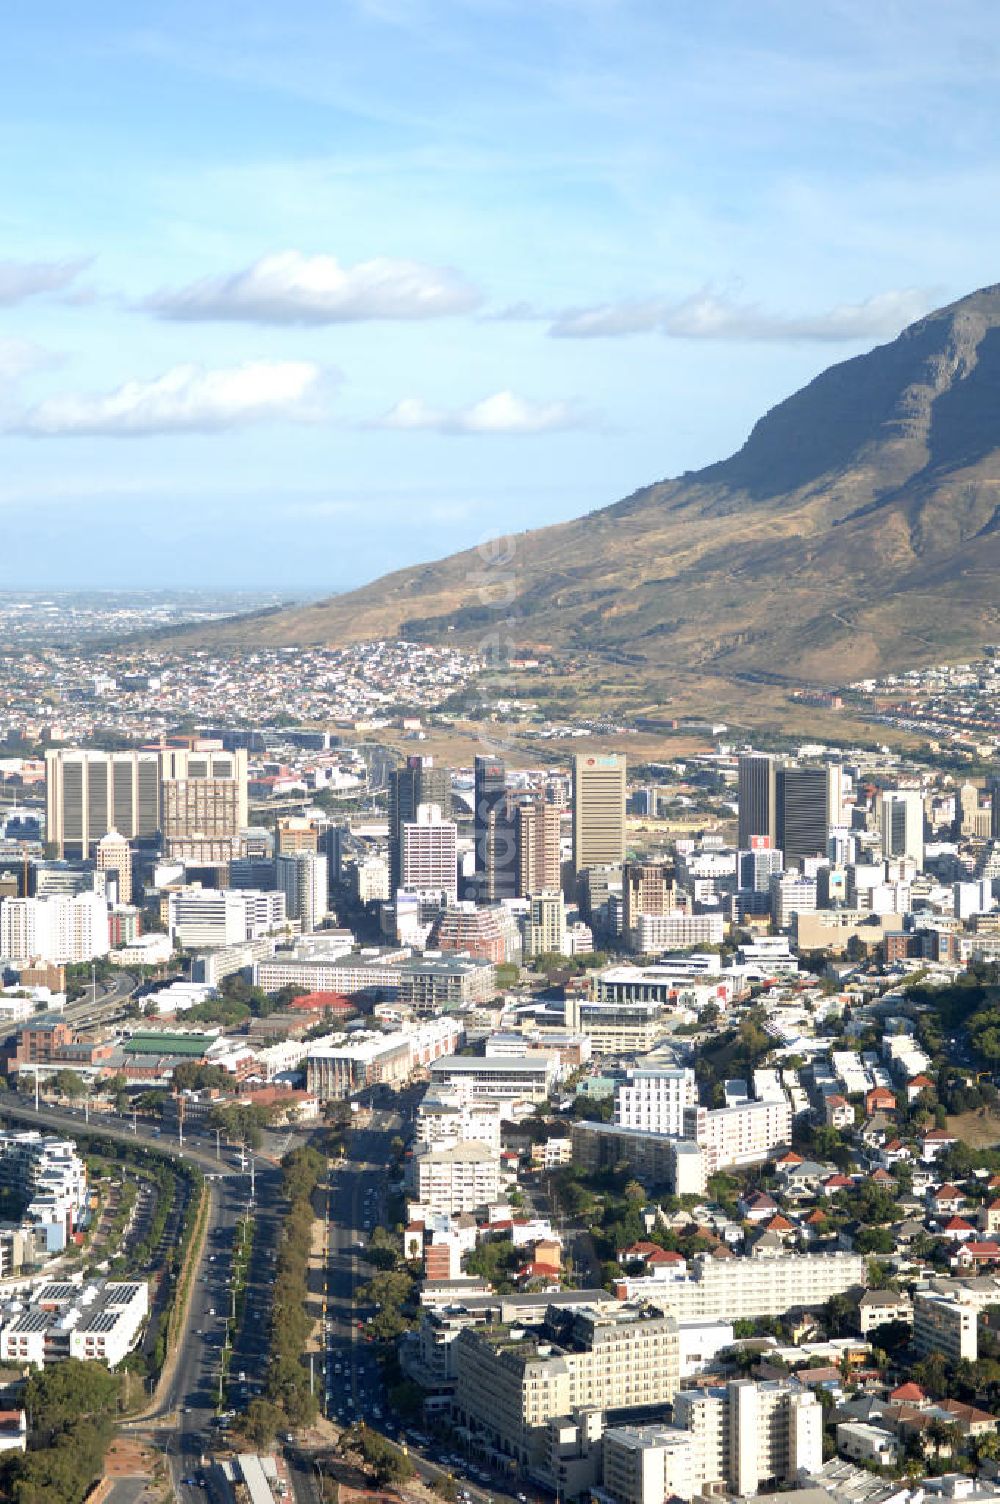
x=357 y=1204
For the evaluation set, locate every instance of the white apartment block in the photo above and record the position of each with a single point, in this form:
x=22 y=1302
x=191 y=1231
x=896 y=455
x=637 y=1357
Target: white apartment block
x=60 y=929
x=654 y=1101
x=462 y=1177
x=656 y=932
x=646 y=1464
x=715 y=1288
x=748 y=1437
x=945 y=1325
x=740 y=1135
x=442 y=1119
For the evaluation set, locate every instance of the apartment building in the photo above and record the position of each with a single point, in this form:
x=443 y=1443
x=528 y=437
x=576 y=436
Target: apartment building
x=744 y=1134
x=659 y=932
x=539 y=867
x=301 y=878
x=511 y=1381
x=645 y=1465
x=454 y=1178
x=443 y=1119
x=714 y=1288
x=747 y=1436
x=545 y=926
x=60 y=929
x=945 y=1325
x=654 y=1101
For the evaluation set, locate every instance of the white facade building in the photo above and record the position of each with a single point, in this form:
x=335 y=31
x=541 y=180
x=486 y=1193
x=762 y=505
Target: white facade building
x=429 y=854
x=751 y=1436
x=655 y=1101
x=60 y=929
x=462 y=1177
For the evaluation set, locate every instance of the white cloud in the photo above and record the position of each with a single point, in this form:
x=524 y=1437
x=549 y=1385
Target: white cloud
x=186 y=399
x=502 y=413
x=25 y=279
x=291 y=288
x=707 y=315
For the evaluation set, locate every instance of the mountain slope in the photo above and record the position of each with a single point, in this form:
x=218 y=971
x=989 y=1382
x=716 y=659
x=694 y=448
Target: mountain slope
x=858 y=528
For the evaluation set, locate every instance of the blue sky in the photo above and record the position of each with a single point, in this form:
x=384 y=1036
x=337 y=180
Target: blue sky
x=293 y=295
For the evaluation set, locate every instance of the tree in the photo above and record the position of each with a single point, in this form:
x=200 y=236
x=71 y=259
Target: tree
x=261 y=1423
x=69 y=1083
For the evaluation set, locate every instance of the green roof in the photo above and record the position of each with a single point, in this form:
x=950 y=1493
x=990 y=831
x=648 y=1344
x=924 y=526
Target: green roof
x=168 y=1044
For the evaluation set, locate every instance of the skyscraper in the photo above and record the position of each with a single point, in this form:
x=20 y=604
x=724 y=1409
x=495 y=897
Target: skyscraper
x=539 y=866
x=301 y=877
x=495 y=832
x=757 y=799
x=204 y=803
x=598 y=810
x=89 y=793
x=809 y=800
x=901 y=817
x=417 y=782
x=430 y=854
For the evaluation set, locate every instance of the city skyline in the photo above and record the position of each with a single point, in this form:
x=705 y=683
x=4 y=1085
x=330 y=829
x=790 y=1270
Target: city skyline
x=400 y=277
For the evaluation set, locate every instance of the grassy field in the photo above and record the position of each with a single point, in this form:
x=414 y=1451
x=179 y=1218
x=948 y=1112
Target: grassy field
x=979 y=1129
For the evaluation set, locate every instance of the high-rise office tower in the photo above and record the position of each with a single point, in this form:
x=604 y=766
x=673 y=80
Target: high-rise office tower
x=495 y=832
x=756 y=799
x=901 y=816
x=430 y=853
x=89 y=793
x=204 y=803
x=301 y=877
x=995 y=808
x=598 y=810
x=417 y=782
x=809 y=801
x=114 y=854
x=539 y=867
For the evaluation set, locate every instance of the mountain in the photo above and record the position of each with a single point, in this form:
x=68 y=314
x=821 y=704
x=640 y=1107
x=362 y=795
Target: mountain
x=858 y=529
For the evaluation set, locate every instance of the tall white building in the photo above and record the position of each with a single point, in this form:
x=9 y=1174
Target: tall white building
x=302 y=878
x=739 y=1135
x=901 y=817
x=655 y=1100
x=429 y=854
x=751 y=1436
x=60 y=929
x=456 y=1178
